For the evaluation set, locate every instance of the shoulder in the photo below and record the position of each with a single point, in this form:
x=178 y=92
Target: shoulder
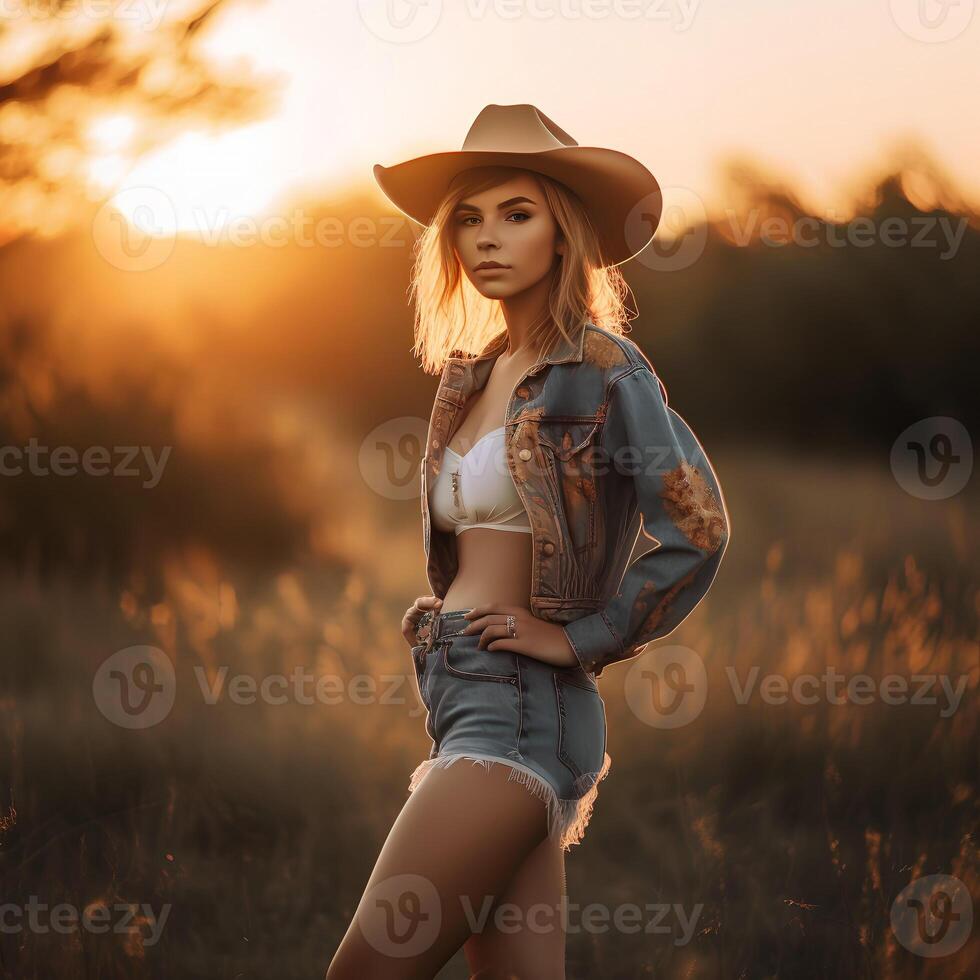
x=613 y=352
x=616 y=355
x=620 y=357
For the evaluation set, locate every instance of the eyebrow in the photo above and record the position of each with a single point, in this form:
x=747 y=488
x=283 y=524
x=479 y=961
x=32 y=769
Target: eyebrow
x=503 y=204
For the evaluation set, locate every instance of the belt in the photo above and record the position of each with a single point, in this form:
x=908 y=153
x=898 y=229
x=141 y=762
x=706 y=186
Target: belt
x=433 y=626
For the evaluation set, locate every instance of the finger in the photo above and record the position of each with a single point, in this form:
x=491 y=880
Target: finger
x=491 y=633
x=423 y=605
x=505 y=644
x=477 y=625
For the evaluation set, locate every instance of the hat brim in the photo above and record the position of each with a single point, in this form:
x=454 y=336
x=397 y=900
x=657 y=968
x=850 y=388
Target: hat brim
x=621 y=196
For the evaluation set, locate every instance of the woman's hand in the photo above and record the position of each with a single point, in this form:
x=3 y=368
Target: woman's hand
x=414 y=613
x=535 y=638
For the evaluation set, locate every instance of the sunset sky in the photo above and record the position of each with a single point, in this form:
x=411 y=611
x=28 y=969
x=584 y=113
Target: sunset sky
x=816 y=92
x=821 y=95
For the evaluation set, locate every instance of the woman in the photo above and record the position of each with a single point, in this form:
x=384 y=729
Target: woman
x=527 y=533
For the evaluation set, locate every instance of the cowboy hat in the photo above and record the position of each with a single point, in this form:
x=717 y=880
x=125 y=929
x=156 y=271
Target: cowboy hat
x=610 y=184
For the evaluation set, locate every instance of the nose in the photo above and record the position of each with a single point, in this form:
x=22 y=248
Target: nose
x=487 y=239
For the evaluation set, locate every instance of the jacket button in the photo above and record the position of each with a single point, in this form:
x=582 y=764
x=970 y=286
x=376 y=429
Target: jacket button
x=435 y=443
x=525 y=454
x=549 y=548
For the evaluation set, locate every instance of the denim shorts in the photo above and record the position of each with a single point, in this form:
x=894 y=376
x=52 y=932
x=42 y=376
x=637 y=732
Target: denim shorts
x=547 y=723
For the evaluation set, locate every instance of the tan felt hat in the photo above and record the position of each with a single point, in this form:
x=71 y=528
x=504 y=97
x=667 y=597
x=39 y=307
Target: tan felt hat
x=622 y=197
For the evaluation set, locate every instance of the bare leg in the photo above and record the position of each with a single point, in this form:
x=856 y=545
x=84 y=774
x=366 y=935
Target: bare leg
x=457 y=843
x=531 y=940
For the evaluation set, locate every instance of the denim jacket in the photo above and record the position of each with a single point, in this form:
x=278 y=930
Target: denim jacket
x=597 y=458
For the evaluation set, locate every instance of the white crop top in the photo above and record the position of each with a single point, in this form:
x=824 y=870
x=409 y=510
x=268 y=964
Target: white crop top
x=477 y=490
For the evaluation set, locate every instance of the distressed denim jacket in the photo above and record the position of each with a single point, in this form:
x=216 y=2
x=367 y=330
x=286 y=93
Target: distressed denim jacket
x=597 y=458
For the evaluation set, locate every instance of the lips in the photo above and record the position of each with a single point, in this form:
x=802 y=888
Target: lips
x=490 y=265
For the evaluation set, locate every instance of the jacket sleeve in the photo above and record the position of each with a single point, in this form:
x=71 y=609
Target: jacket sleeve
x=681 y=507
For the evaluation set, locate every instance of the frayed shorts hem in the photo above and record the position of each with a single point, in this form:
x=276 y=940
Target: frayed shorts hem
x=567 y=818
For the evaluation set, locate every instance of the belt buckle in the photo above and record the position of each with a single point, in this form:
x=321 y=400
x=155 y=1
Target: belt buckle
x=424 y=630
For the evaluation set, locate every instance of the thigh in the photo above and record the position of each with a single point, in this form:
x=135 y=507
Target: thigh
x=525 y=937
x=451 y=852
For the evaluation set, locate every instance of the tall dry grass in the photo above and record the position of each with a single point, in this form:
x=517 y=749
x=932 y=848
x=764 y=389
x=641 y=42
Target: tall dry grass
x=794 y=826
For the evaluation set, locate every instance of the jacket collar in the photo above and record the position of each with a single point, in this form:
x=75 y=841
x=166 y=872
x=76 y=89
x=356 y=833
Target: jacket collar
x=477 y=368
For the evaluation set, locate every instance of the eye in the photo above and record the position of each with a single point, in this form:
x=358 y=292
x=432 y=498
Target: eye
x=516 y=214
x=467 y=218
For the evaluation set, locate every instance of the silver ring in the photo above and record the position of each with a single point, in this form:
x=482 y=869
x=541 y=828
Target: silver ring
x=512 y=625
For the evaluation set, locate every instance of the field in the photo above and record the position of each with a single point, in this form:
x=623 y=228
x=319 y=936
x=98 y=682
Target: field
x=772 y=837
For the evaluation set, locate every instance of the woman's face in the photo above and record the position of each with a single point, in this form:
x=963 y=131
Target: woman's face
x=510 y=225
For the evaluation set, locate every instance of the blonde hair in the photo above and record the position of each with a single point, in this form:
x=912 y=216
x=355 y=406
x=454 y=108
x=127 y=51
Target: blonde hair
x=453 y=317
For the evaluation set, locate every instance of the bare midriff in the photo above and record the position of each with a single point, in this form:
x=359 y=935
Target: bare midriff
x=494 y=565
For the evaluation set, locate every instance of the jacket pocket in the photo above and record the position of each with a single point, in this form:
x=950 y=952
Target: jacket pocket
x=571 y=445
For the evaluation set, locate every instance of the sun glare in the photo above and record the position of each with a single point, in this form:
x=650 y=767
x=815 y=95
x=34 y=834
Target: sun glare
x=111 y=134
x=201 y=183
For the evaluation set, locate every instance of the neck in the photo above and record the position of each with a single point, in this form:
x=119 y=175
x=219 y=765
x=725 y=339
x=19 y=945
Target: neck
x=523 y=315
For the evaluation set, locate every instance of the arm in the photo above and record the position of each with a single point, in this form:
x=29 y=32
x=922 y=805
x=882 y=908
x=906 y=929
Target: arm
x=681 y=506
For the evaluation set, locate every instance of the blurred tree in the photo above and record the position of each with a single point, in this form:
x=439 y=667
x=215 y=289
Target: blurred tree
x=80 y=94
